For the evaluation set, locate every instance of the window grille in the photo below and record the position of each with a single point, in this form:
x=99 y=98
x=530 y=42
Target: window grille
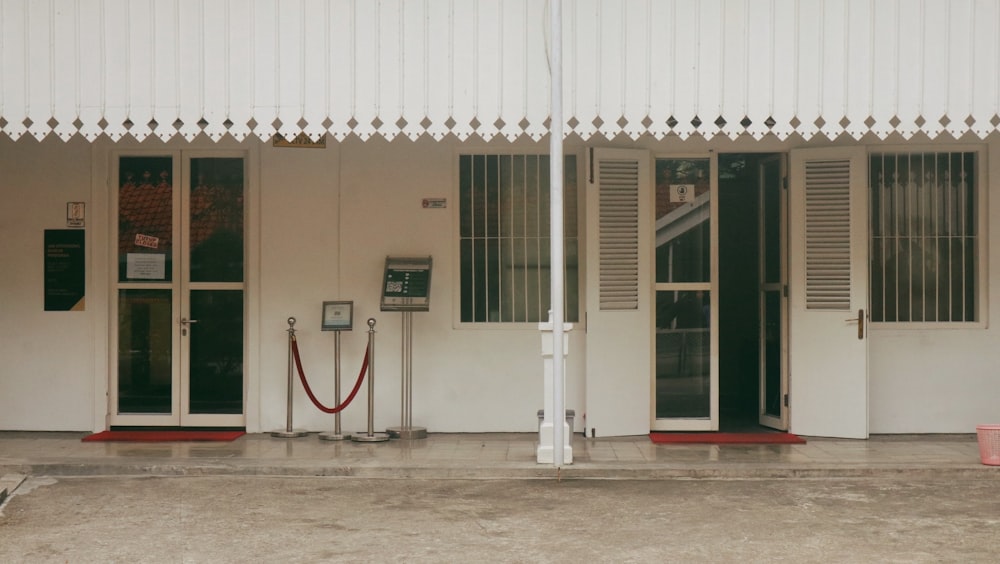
x=924 y=237
x=504 y=238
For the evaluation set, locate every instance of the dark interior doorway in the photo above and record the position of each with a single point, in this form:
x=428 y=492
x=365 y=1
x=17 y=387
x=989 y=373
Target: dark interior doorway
x=740 y=224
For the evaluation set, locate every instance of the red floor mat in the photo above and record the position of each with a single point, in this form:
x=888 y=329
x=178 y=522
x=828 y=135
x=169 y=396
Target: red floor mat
x=162 y=436
x=727 y=438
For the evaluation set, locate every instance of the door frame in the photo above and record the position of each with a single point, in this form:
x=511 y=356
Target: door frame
x=181 y=159
x=710 y=423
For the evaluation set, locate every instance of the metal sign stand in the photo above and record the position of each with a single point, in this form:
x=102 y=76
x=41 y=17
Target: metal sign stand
x=337 y=317
x=371 y=436
x=290 y=433
x=336 y=435
x=406 y=430
x=407 y=288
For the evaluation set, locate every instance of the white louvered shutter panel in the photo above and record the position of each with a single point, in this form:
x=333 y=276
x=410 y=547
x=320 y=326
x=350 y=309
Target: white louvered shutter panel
x=619 y=234
x=619 y=292
x=828 y=234
x=827 y=287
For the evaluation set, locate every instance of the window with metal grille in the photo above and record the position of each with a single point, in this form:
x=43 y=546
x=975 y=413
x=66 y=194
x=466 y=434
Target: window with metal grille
x=504 y=238
x=924 y=237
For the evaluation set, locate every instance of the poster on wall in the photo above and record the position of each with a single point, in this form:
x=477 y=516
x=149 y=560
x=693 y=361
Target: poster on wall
x=65 y=270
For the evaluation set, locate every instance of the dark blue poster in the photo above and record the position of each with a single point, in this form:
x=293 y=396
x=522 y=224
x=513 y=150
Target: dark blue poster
x=65 y=270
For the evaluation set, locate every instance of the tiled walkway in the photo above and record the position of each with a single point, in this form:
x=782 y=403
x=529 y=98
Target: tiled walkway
x=494 y=455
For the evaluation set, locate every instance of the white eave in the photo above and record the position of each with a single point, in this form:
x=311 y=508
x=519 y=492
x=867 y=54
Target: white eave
x=479 y=68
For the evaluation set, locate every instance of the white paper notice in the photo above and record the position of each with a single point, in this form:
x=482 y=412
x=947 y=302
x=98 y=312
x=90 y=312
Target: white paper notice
x=146 y=266
x=681 y=193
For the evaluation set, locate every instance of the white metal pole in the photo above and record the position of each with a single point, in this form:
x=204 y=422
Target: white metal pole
x=556 y=230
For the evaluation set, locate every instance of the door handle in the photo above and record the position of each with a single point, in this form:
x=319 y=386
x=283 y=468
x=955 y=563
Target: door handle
x=861 y=323
x=184 y=325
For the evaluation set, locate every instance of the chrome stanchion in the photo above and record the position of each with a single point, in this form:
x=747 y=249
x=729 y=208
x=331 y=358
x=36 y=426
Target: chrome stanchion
x=336 y=435
x=371 y=436
x=290 y=433
x=406 y=430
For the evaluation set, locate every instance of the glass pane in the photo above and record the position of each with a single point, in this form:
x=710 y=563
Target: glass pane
x=216 y=351
x=923 y=232
x=683 y=385
x=216 y=220
x=145 y=219
x=144 y=351
x=772 y=220
x=772 y=353
x=682 y=220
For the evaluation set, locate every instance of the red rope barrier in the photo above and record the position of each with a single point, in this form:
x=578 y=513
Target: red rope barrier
x=309 y=392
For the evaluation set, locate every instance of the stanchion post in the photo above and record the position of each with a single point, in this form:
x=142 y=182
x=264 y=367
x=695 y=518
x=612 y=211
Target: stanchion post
x=288 y=432
x=371 y=436
x=336 y=435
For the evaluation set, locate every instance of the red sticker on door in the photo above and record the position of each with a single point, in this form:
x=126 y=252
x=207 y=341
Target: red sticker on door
x=147 y=241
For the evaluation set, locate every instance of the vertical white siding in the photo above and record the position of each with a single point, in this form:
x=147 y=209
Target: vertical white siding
x=480 y=67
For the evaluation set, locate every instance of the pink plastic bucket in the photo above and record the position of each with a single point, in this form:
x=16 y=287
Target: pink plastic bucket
x=989 y=444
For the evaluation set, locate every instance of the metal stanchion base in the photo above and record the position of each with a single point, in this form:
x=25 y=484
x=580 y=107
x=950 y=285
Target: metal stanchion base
x=407 y=433
x=293 y=434
x=331 y=436
x=363 y=437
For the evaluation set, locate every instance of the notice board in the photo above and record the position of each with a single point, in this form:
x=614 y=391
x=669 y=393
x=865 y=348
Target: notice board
x=406 y=285
x=65 y=270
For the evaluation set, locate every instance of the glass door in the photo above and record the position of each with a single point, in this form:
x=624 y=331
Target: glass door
x=180 y=289
x=773 y=409
x=685 y=390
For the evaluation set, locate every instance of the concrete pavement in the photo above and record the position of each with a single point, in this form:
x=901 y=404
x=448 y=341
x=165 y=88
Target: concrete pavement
x=492 y=456
x=244 y=519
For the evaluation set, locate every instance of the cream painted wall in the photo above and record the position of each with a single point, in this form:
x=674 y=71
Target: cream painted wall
x=46 y=357
x=464 y=379
x=327 y=218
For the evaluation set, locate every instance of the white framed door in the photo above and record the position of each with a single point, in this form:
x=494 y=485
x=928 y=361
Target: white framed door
x=685 y=377
x=773 y=297
x=618 y=301
x=828 y=279
x=178 y=303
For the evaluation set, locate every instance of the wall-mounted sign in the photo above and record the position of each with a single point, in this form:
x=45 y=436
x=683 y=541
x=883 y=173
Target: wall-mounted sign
x=65 y=270
x=435 y=203
x=301 y=141
x=407 y=284
x=338 y=316
x=75 y=214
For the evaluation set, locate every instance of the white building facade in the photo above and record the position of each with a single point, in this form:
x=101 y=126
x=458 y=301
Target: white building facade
x=777 y=212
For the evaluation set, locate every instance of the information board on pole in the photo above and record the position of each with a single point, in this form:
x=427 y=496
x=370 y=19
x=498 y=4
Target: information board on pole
x=407 y=284
x=338 y=316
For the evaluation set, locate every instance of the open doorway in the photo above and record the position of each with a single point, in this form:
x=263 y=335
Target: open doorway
x=752 y=296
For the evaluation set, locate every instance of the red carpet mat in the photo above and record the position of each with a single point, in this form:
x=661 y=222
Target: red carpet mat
x=727 y=438
x=162 y=436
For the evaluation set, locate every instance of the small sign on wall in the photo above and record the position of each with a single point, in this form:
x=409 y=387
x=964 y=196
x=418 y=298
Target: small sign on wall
x=65 y=270
x=435 y=203
x=75 y=214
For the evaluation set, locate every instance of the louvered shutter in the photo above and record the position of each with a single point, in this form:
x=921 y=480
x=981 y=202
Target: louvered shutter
x=828 y=292
x=619 y=318
x=618 y=228
x=828 y=234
